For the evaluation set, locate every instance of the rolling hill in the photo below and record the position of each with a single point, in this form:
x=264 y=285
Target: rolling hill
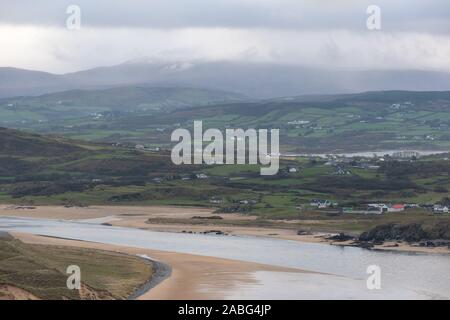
x=19 y=143
x=81 y=103
x=370 y=121
x=16 y=82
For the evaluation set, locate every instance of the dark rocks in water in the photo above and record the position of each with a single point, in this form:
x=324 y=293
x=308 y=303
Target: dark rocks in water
x=207 y=218
x=395 y=245
x=341 y=237
x=409 y=232
x=427 y=244
x=216 y=232
x=364 y=245
x=435 y=243
x=437 y=235
x=107 y=224
x=24 y=208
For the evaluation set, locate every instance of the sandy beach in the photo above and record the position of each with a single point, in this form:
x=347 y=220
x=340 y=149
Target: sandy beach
x=193 y=277
x=138 y=216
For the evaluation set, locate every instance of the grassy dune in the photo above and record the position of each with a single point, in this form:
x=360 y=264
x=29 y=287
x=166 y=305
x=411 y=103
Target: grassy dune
x=41 y=271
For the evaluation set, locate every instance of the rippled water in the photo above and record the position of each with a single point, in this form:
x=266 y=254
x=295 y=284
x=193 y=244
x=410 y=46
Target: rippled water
x=404 y=275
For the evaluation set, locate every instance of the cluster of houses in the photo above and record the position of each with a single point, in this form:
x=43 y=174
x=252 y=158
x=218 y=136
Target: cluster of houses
x=299 y=122
x=141 y=147
x=384 y=208
x=405 y=155
x=323 y=204
x=218 y=200
x=342 y=171
x=342 y=163
x=248 y=202
x=374 y=209
x=378 y=208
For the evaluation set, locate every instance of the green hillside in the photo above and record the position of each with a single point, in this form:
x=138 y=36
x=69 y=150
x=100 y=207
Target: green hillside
x=318 y=124
x=18 y=143
x=65 y=172
x=364 y=122
x=121 y=100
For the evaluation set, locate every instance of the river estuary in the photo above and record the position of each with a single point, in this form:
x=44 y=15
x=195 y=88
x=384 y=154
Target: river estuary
x=338 y=272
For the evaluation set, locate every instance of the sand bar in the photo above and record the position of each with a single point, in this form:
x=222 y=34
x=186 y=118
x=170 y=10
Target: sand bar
x=193 y=277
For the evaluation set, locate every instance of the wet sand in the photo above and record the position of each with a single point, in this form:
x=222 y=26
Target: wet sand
x=94 y=212
x=193 y=277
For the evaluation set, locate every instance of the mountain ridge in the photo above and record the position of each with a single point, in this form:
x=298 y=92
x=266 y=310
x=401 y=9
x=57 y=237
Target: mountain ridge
x=257 y=80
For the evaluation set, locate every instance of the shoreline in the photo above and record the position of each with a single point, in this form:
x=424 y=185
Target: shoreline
x=137 y=217
x=162 y=271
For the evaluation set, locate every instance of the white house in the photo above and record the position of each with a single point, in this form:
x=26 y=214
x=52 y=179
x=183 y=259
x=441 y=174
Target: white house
x=440 y=209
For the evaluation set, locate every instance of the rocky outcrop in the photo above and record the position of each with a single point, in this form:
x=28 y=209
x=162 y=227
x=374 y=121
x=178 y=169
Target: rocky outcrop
x=410 y=232
x=431 y=235
x=341 y=237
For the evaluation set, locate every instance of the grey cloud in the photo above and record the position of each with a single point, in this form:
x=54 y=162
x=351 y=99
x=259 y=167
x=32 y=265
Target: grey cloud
x=399 y=15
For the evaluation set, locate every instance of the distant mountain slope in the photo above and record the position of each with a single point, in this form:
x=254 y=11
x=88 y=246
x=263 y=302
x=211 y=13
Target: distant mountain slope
x=19 y=143
x=387 y=96
x=257 y=80
x=15 y=82
x=264 y=80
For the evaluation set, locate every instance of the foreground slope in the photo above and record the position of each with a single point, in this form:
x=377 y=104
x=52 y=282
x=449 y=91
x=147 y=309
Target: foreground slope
x=29 y=271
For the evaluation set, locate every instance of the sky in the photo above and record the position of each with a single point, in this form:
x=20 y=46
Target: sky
x=330 y=34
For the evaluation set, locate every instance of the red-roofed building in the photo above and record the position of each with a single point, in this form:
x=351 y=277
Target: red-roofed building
x=397 y=208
